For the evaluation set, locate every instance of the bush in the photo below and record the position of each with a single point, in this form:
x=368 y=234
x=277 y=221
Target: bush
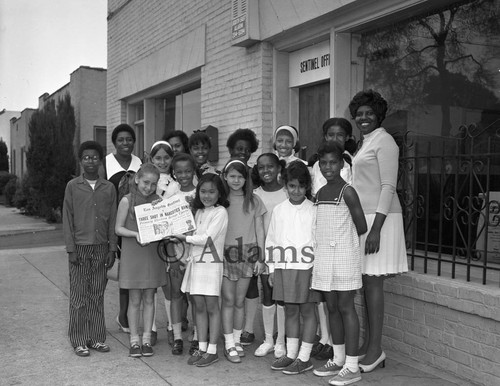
x=50 y=159
x=5 y=177
x=21 y=196
x=9 y=191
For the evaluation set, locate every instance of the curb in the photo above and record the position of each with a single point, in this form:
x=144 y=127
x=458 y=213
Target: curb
x=28 y=229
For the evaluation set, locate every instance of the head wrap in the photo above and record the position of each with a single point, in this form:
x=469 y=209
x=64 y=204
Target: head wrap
x=292 y=130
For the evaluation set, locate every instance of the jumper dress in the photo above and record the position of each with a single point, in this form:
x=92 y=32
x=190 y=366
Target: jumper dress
x=337 y=264
x=140 y=267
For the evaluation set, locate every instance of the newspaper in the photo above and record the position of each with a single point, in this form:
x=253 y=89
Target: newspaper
x=168 y=217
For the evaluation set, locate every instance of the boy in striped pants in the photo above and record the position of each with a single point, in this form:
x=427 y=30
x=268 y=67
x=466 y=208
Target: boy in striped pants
x=89 y=215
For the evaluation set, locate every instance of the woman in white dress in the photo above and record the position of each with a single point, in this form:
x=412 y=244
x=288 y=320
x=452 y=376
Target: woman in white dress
x=374 y=176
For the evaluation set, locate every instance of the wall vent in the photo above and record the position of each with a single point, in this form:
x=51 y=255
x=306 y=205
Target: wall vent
x=245 y=22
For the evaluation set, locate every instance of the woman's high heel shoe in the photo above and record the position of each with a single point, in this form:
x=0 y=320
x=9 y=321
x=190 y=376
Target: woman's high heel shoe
x=379 y=362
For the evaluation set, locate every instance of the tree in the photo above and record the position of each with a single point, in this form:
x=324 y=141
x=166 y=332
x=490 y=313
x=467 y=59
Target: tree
x=434 y=48
x=4 y=157
x=50 y=157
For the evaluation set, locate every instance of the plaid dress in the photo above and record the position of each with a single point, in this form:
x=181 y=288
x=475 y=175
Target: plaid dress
x=337 y=263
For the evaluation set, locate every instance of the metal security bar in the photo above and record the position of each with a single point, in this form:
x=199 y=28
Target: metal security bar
x=450 y=191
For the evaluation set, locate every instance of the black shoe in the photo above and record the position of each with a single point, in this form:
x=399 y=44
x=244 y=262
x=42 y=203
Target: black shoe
x=325 y=353
x=247 y=338
x=178 y=347
x=147 y=350
x=317 y=347
x=135 y=351
x=195 y=345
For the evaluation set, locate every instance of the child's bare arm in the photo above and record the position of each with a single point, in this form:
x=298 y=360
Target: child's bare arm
x=358 y=217
x=260 y=234
x=121 y=217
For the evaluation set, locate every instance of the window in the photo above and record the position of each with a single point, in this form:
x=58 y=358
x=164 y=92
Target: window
x=137 y=119
x=100 y=136
x=154 y=114
x=440 y=74
x=182 y=110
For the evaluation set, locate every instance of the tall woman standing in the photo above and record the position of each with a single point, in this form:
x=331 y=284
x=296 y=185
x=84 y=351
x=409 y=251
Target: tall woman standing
x=374 y=176
x=114 y=167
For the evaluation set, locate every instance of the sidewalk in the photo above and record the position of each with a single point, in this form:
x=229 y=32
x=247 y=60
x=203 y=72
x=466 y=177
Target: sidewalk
x=13 y=222
x=34 y=290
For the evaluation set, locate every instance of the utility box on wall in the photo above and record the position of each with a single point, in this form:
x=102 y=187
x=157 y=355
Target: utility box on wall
x=213 y=133
x=245 y=22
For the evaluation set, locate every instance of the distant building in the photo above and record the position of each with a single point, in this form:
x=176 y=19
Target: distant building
x=5 y=117
x=19 y=142
x=87 y=89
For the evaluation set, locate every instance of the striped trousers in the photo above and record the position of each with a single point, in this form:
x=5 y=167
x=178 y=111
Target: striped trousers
x=87 y=283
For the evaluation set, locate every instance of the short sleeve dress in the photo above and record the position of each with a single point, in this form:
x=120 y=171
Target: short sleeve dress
x=241 y=249
x=337 y=263
x=204 y=269
x=140 y=267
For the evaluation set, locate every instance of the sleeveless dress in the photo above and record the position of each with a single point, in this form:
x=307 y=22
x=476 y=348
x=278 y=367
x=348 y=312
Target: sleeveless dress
x=337 y=263
x=140 y=267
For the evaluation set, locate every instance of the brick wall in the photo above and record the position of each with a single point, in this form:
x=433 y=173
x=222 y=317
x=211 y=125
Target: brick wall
x=138 y=28
x=236 y=82
x=447 y=324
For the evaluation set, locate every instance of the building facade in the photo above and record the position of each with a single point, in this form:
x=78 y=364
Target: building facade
x=260 y=64
x=87 y=89
x=19 y=142
x=5 y=117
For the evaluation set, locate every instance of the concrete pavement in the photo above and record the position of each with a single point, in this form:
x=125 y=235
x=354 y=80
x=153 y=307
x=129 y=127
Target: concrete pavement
x=34 y=289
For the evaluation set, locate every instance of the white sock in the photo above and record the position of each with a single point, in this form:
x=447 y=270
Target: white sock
x=237 y=335
x=177 y=327
x=229 y=341
x=339 y=354
x=305 y=351
x=195 y=333
x=250 y=311
x=146 y=337
x=323 y=323
x=135 y=339
x=352 y=363
x=268 y=313
x=330 y=342
x=203 y=346
x=292 y=347
x=169 y=314
x=212 y=348
x=280 y=321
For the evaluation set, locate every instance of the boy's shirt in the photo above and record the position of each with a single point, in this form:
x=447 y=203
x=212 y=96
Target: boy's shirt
x=89 y=215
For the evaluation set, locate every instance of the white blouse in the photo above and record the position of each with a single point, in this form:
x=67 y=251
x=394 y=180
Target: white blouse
x=289 y=241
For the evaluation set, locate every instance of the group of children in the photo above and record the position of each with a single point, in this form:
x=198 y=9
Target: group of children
x=304 y=248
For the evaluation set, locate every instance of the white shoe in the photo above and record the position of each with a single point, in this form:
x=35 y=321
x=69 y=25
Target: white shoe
x=345 y=377
x=279 y=350
x=264 y=349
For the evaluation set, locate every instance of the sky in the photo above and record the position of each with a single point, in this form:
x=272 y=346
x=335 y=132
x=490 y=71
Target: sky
x=43 y=41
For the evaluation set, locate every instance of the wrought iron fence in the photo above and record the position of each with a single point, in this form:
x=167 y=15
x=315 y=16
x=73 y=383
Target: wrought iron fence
x=450 y=192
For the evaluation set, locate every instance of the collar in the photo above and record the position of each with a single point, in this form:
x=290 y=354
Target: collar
x=81 y=180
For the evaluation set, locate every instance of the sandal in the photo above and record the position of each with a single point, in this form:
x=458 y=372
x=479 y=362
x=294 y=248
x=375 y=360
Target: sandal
x=232 y=358
x=239 y=348
x=82 y=351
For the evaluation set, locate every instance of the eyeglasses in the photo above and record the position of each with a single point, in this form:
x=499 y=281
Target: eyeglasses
x=88 y=158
